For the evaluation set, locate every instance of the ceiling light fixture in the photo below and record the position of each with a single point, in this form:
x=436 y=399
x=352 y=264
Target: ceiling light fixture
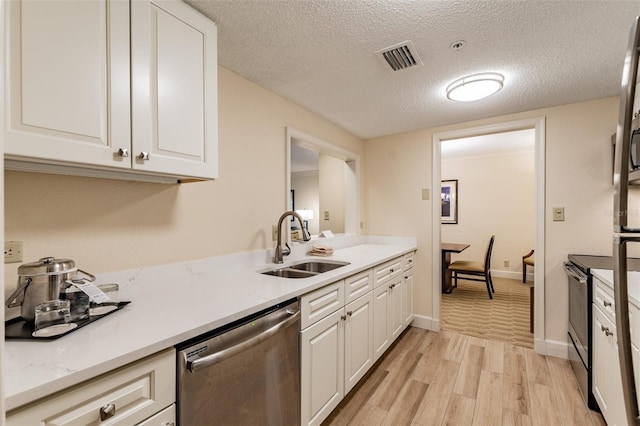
x=475 y=86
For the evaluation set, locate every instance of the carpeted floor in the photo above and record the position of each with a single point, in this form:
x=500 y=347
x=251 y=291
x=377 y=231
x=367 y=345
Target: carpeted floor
x=468 y=310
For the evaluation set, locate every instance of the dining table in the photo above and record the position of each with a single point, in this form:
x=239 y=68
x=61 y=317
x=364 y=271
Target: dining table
x=447 y=249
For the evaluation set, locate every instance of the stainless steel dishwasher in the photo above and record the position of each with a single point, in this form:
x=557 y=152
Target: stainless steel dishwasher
x=246 y=373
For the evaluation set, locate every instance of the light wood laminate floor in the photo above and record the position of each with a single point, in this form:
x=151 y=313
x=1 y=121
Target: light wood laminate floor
x=447 y=378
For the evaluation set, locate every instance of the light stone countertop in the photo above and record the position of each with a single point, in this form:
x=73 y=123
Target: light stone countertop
x=633 y=283
x=171 y=304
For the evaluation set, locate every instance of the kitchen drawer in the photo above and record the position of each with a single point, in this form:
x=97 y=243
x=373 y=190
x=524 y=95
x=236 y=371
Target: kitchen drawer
x=358 y=285
x=166 y=417
x=407 y=261
x=604 y=300
x=318 y=304
x=387 y=271
x=137 y=391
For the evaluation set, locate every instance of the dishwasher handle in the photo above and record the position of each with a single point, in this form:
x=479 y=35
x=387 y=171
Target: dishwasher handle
x=575 y=273
x=217 y=357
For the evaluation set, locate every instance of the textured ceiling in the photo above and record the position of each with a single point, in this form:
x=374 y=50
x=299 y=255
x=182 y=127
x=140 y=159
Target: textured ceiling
x=321 y=55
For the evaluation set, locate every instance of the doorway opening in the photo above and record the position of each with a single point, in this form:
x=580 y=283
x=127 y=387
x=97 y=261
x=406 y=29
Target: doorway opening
x=488 y=190
x=537 y=125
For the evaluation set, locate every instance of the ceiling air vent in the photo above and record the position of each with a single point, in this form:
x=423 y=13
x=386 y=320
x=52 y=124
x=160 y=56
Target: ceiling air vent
x=400 y=56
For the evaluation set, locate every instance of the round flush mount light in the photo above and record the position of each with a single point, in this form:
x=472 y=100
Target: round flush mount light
x=474 y=87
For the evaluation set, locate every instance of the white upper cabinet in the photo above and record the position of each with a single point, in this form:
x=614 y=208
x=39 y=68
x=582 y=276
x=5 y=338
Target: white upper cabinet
x=67 y=94
x=74 y=98
x=175 y=92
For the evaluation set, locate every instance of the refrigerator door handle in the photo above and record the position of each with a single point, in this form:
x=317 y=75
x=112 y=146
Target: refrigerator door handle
x=620 y=211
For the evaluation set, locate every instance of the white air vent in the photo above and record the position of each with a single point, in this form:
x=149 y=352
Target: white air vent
x=400 y=56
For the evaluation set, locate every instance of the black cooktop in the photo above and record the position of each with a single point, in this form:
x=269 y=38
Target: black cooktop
x=588 y=262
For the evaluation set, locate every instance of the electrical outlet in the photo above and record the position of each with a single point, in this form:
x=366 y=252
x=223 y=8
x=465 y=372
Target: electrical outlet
x=326 y=215
x=425 y=193
x=506 y=263
x=361 y=225
x=558 y=214
x=274 y=232
x=12 y=251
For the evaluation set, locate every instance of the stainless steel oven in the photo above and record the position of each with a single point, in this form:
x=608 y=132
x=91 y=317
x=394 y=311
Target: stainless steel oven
x=247 y=373
x=580 y=283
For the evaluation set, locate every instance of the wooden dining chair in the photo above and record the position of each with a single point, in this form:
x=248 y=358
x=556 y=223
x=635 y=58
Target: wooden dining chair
x=470 y=270
x=527 y=259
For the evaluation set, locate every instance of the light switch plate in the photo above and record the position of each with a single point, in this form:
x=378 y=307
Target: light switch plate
x=425 y=193
x=558 y=214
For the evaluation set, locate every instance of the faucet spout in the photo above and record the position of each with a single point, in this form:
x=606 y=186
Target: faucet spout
x=281 y=251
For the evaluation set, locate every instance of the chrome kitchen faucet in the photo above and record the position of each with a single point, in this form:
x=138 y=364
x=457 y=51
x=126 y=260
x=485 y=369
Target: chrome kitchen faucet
x=286 y=250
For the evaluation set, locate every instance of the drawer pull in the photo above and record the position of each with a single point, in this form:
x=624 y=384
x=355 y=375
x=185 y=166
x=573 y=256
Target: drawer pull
x=606 y=303
x=606 y=330
x=107 y=412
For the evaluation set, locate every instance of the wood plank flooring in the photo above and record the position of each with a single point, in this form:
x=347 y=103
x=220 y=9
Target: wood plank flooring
x=447 y=378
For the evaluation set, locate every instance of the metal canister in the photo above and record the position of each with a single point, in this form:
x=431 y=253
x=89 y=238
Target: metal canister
x=41 y=281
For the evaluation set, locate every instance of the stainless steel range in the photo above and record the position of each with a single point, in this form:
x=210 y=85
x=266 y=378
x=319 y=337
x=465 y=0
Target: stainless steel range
x=580 y=281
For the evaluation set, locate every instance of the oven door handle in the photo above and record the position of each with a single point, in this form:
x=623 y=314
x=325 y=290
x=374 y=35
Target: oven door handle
x=209 y=360
x=573 y=272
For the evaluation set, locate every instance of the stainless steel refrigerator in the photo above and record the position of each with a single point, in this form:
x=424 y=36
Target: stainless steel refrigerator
x=625 y=165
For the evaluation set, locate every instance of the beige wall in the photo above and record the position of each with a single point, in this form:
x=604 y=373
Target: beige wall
x=578 y=178
x=332 y=193
x=109 y=225
x=496 y=196
x=307 y=196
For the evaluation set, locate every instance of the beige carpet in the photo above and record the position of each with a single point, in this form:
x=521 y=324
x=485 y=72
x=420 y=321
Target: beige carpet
x=468 y=310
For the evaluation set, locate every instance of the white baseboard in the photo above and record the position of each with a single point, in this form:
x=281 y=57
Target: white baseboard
x=514 y=275
x=426 y=323
x=552 y=348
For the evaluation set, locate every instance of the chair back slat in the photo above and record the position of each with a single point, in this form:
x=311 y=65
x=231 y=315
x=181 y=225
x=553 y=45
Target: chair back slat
x=487 y=259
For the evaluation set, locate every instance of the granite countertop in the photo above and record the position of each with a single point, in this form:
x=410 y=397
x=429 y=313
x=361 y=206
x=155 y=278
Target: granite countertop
x=633 y=283
x=171 y=304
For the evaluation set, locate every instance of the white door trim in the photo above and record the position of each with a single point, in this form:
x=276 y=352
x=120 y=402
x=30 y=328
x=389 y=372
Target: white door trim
x=538 y=124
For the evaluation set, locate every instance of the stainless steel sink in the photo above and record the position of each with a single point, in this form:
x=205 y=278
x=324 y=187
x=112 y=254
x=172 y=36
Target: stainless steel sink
x=289 y=273
x=306 y=269
x=318 y=266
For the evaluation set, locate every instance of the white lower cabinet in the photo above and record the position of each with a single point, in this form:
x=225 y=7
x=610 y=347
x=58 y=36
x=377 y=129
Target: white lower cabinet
x=127 y=396
x=407 y=297
x=607 y=382
x=322 y=368
x=346 y=327
x=358 y=340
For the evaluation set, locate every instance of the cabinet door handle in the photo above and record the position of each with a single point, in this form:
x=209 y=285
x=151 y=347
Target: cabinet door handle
x=392 y=286
x=391 y=270
x=606 y=303
x=606 y=330
x=349 y=313
x=343 y=317
x=143 y=156
x=107 y=412
x=123 y=152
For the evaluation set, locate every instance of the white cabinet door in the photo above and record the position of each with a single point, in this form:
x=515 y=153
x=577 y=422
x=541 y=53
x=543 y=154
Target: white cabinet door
x=407 y=298
x=174 y=89
x=381 y=309
x=322 y=368
x=396 y=312
x=607 y=383
x=68 y=96
x=358 y=340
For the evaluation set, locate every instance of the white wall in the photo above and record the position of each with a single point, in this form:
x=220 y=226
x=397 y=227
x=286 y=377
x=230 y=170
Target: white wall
x=496 y=196
x=578 y=178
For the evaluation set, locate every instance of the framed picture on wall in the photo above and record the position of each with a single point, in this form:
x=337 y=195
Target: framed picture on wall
x=449 y=199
